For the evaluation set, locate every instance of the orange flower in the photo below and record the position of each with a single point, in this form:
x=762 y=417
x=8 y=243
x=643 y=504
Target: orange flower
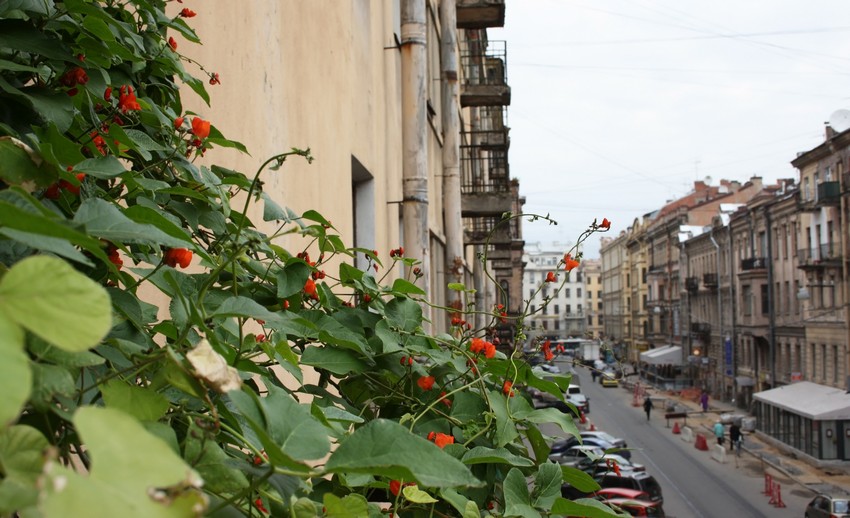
x=508 y=388
x=172 y=43
x=200 y=127
x=395 y=487
x=605 y=224
x=547 y=351
x=551 y=277
x=476 y=346
x=178 y=122
x=489 y=350
x=425 y=382
x=444 y=400
x=127 y=100
x=175 y=256
x=187 y=13
x=441 y=439
x=310 y=288
x=569 y=263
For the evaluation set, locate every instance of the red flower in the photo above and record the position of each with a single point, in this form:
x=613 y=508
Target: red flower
x=214 y=79
x=187 y=13
x=175 y=256
x=425 y=382
x=261 y=338
x=98 y=142
x=172 y=43
x=178 y=122
x=397 y=252
x=200 y=127
x=441 y=439
x=508 y=388
x=310 y=288
x=406 y=360
x=605 y=224
x=551 y=277
x=444 y=400
x=258 y=503
x=395 y=487
x=547 y=354
x=489 y=350
x=569 y=263
x=52 y=192
x=107 y=94
x=127 y=100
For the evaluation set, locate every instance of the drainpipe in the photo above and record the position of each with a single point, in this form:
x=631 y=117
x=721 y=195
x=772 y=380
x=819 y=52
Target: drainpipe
x=719 y=299
x=733 y=302
x=771 y=312
x=451 y=149
x=414 y=134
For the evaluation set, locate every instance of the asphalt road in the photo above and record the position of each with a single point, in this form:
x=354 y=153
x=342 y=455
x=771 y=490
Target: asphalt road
x=693 y=484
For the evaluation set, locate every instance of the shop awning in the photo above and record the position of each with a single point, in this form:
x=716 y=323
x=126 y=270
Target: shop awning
x=669 y=354
x=809 y=399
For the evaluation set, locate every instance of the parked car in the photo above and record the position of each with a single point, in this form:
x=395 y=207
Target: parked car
x=829 y=506
x=640 y=480
x=575 y=396
x=578 y=451
x=622 y=492
x=637 y=507
x=616 y=441
x=624 y=463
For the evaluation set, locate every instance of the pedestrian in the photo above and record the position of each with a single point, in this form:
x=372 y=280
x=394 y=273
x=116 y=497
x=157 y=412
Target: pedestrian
x=647 y=406
x=703 y=401
x=719 y=431
x=735 y=437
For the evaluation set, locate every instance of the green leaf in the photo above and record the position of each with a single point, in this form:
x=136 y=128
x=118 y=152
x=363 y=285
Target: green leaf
x=553 y=415
x=22 y=457
x=48 y=381
x=457 y=286
x=304 y=508
x=54 y=245
x=292 y=426
x=244 y=307
x=272 y=211
x=407 y=287
x=105 y=167
x=213 y=464
x=579 y=479
x=19 y=164
x=416 y=495
x=485 y=455
x=547 y=485
x=143 y=403
x=291 y=279
x=107 y=221
x=517 y=499
x=386 y=448
x=350 y=506
x=15 y=374
x=404 y=314
x=587 y=507
x=127 y=462
x=335 y=360
x=144 y=141
x=55 y=302
x=505 y=427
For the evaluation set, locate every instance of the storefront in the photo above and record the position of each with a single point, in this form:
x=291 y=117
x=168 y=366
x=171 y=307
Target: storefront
x=813 y=419
x=663 y=367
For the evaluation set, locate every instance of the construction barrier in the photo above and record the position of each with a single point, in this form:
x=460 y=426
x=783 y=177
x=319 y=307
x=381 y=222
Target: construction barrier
x=768 y=484
x=676 y=430
x=700 y=443
x=776 y=496
x=718 y=453
x=687 y=434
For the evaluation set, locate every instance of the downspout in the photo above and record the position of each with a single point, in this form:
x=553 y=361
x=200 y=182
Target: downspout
x=414 y=134
x=719 y=299
x=733 y=302
x=451 y=149
x=771 y=311
x=683 y=258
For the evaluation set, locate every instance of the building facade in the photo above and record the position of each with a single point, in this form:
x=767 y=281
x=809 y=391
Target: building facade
x=555 y=309
x=594 y=308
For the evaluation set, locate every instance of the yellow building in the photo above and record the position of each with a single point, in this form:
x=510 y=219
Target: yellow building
x=402 y=105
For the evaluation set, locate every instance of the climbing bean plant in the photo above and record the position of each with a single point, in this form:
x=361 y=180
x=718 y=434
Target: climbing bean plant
x=161 y=354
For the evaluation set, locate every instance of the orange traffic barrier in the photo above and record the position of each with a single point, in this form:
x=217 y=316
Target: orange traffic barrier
x=768 y=484
x=776 y=496
x=582 y=418
x=700 y=443
x=676 y=429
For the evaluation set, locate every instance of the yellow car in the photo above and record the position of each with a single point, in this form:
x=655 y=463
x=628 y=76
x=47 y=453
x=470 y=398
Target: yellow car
x=609 y=379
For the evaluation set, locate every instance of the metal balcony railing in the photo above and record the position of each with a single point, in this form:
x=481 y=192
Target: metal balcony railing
x=485 y=73
x=692 y=283
x=753 y=263
x=709 y=280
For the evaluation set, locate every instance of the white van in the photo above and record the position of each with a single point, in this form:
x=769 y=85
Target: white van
x=575 y=396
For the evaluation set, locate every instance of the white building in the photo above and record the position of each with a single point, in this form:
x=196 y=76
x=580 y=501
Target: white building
x=554 y=309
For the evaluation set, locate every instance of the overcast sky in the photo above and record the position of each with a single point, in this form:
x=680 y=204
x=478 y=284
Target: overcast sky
x=619 y=105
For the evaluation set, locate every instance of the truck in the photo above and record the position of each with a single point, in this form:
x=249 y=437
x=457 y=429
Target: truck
x=583 y=349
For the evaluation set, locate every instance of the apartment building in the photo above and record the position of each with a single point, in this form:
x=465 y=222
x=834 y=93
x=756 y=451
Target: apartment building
x=554 y=309
x=594 y=308
x=402 y=103
x=613 y=275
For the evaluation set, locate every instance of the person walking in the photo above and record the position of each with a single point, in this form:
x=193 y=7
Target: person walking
x=735 y=438
x=647 y=406
x=703 y=401
x=719 y=432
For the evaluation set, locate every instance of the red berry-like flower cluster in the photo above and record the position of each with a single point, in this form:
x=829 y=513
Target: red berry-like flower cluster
x=397 y=252
x=570 y=263
x=479 y=345
x=441 y=439
x=175 y=256
x=426 y=382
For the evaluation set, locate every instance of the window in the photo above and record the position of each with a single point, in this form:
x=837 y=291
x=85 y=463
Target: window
x=363 y=205
x=823 y=362
x=599 y=318
x=835 y=363
x=599 y=306
x=566 y=292
x=569 y=309
x=578 y=292
x=599 y=294
x=531 y=293
x=557 y=309
x=590 y=321
x=747 y=299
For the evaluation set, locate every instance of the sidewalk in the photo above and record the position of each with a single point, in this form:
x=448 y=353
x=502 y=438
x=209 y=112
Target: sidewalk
x=804 y=475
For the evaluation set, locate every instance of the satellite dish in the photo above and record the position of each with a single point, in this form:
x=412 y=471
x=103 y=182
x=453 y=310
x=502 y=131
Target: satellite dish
x=840 y=120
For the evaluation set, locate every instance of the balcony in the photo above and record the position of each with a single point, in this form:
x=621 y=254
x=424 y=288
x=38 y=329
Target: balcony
x=480 y=14
x=692 y=284
x=819 y=257
x=484 y=184
x=485 y=74
x=487 y=231
x=490 y=140
x=824 y=194
x=753 y=263
x=709 y=280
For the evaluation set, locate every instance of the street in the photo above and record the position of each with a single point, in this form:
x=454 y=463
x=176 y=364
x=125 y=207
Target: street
x=693 y=484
